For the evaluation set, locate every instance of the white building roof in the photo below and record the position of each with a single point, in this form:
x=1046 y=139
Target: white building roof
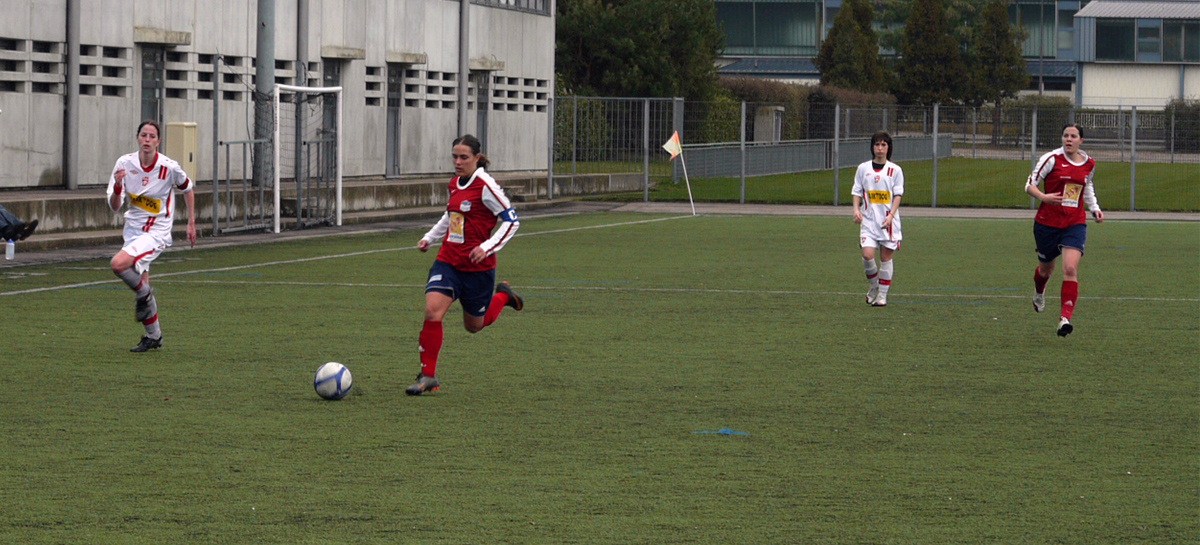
x=1178 y=9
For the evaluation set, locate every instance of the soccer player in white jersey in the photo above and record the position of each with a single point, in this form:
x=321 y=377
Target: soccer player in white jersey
x=878 y=186
x=146 y=180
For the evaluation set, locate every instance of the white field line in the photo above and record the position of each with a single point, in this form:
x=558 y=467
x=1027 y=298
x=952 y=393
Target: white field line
x=711 y=291
x=320 y=258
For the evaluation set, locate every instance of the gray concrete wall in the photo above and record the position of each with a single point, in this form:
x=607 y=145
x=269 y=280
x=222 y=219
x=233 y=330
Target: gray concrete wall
x=364 y=35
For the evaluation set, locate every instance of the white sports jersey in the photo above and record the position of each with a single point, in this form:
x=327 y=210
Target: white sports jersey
x=877 y=189
x=148 y=192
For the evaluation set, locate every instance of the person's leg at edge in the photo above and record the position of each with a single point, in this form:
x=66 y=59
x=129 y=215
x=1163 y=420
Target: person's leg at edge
x=871 y=270
x=886 y=269
x=1070 y=284
x=430 y=340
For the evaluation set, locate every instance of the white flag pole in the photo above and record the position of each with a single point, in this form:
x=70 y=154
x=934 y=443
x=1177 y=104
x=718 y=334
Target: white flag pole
x=685 y=181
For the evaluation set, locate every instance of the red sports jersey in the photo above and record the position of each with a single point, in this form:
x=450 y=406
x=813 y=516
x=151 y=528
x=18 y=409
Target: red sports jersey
x=470 y=216
x=1074 y=181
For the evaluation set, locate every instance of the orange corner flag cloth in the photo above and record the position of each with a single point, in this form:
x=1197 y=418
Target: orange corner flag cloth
x=673 y=146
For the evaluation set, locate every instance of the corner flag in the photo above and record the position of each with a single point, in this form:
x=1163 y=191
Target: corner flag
x=673 y=146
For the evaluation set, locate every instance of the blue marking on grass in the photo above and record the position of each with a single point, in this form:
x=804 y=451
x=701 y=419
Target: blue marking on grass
x=722 y=431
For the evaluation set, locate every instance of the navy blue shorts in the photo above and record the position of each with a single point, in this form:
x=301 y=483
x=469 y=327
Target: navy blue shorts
x=472 y=289
x=1051 y=240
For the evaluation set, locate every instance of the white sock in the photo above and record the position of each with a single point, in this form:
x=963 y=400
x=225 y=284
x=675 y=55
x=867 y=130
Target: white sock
x=872 y=271
x=885 y=276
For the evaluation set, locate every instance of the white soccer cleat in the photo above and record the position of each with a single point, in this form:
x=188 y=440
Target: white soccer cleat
x=1064 y=327
x=880 y=300
x=1039 y=302
x=872 y=294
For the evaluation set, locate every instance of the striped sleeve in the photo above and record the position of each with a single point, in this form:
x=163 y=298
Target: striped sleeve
x=1043 y=168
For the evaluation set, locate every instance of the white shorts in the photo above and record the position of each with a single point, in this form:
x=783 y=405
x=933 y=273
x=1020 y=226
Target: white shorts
x=871 y=235
x=144 y=247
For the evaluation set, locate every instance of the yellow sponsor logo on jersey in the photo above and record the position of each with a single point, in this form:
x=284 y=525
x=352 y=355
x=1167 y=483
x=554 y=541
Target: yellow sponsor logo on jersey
x=153 y=206
x=879 y=197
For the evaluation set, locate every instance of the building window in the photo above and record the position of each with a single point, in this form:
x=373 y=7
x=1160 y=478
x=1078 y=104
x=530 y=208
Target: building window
x=1149 y=40
x=541 y=7
x=1115 y=40
x=1181 y=41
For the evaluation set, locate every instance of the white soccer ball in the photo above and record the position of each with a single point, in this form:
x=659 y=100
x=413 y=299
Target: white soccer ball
x=332 y=381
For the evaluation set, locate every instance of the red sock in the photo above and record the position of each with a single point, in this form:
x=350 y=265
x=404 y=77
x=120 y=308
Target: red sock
x=430 y=344
x=1039 y=281
x=494 y=309
x=1070 y=294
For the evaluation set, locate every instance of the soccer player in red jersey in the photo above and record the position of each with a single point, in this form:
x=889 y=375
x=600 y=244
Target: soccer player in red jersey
x=147 y=180
x=1060 y=226
x=465 y=268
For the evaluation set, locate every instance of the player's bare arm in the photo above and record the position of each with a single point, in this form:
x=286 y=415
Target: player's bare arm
x=115 y=201
x=858 y=217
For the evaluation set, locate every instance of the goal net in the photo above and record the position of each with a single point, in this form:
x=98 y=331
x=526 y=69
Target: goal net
x=307 y=150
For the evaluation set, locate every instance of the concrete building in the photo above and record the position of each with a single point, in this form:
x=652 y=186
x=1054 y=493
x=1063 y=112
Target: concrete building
x=1138 y=53
x=398 y=61
x=1095 y=52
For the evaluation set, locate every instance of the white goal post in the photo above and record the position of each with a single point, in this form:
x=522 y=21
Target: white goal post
x=306 y=125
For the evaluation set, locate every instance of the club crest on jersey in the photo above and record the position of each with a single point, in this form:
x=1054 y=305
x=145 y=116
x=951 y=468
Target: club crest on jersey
x=145 y=181
x=876 y=178
x=465 y=206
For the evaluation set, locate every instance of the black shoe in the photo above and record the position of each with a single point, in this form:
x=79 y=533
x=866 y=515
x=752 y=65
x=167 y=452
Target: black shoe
x=514 y=300
x=28 y=230
x=424 y=384
x=147 y=344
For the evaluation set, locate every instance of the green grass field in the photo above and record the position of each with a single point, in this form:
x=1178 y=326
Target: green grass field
x=975 y=183
x=952 y=416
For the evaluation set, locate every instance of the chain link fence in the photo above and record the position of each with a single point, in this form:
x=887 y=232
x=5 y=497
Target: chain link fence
x=806 y=153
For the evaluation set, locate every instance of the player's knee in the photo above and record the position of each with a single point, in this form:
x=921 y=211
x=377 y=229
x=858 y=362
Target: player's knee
x=1069 y=271
x=473 y=327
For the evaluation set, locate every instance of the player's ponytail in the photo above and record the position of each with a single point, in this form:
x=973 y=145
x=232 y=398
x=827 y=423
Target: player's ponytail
x=470 y=141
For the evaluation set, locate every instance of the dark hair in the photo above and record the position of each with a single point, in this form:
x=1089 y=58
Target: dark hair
x=152 y=123
x=470 y=141
x=884 y=137
x=1077 y=127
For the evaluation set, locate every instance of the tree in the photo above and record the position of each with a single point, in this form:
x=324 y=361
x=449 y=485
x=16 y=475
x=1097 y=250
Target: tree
x=849 y=56
x=656 y=48
x=931 y=69
x=997 y=67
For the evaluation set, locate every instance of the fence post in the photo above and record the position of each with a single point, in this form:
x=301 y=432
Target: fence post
x=575 y=136
x=742 y=199
x=677 y=125
x=1033 y=150
x=974 y=129
x=551 y=113
x=1121 y=132
x=837 y=115
x=936 y=121
x=1133 y=159
x=1172 y=136
x=646 y=150
x=216 y=101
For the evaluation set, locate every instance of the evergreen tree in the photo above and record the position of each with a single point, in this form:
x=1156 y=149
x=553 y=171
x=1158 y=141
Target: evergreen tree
x=656 y=48
x=931 y=69
x=849 y=56
x=997 y=67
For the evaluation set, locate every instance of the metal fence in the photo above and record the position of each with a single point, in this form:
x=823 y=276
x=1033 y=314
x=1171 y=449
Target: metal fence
x=952 y=156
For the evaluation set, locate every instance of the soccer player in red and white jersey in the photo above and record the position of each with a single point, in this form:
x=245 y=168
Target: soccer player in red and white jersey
x=878 y=186
x=465 y=268
x=146 y=180
x=1060 y=226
